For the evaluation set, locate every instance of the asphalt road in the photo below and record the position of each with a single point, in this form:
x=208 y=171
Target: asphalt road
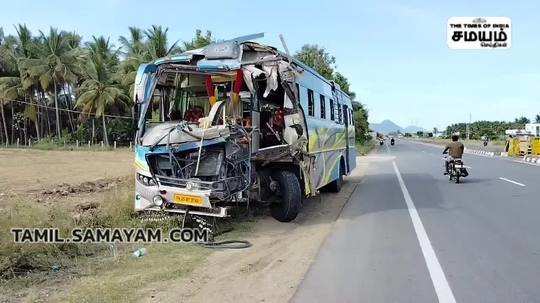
x=409 y=235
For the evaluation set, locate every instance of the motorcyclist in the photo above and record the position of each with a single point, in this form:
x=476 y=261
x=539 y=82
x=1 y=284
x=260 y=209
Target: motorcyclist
x=454 y=150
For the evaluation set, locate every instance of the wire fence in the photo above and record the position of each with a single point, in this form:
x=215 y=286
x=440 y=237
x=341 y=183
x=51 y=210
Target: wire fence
x=70 y=110
x=77 y=145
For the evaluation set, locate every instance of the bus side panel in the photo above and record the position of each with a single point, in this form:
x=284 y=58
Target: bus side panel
x=352 y=158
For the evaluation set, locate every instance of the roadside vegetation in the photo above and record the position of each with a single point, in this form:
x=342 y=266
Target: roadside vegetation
x=90 y=272
x=57 y=89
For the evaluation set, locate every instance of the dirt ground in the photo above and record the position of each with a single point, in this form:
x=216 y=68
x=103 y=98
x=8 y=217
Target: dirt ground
x=270 y=270
x=25 y=171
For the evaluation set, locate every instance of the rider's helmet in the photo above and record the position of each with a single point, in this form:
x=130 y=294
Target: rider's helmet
x=455 y=137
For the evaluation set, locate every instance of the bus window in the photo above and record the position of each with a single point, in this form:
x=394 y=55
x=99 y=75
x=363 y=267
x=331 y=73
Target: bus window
x=323 y=107
x=345 y=114
x=332 y=110
x=311 y=103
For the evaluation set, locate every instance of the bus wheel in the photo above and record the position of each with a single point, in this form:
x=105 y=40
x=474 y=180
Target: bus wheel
x=287 y=206
x=335 y=186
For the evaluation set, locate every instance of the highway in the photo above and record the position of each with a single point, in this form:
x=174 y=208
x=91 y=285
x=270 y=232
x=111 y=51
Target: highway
x=407 y=234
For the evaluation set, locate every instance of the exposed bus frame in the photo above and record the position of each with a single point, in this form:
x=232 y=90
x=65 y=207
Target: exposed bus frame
x=317 y=150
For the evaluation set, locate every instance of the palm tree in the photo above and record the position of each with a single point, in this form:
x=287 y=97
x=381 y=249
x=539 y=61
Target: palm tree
x=26 y=48
x=58 y=64
x=10 y=88
x=158 y=43
x=98 y=92
x=134 y=45
x=8 y=83
x=102 y=47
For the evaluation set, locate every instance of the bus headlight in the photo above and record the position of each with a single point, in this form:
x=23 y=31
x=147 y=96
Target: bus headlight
x=158 y=200
x=146 y=181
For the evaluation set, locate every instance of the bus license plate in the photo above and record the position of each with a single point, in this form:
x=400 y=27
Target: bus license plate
x=188 y=200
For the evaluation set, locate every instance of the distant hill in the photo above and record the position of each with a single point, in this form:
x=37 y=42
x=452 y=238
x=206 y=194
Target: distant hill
x=387 y=126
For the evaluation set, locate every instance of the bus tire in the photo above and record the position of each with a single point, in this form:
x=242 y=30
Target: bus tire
x=290 y=196
x=335 y=186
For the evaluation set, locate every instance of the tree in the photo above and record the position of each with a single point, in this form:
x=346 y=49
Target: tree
x=537 y=119
x=361 y=124
x=10 y=87
x=343 y=83
x=102 y=47
x=134 y=45
x=98 y=92
x=322 y=62
x=199 y=40
x=58 y=64
x=317 y=58
x=522 y=120
x=26 y=48
x=158 y=45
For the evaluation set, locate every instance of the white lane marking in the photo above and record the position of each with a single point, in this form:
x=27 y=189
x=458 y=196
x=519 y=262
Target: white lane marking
x=442 y=289
x=512 y=181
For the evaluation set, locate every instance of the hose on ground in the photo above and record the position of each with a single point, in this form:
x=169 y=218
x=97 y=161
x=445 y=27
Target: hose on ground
x=228 y=244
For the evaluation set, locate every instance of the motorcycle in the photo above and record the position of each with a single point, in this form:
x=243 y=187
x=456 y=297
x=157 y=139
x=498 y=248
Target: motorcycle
x=456 y=170
x=392 y=141
x=381 y=142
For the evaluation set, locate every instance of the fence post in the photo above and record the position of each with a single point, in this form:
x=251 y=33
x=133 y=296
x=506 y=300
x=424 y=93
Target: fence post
x=18 y=142
x=101 y=144
x=77 y=143
x=114 y=144
x=129 y=145
x=88 y=144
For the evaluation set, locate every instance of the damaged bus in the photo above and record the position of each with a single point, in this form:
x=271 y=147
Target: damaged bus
x=234 y=123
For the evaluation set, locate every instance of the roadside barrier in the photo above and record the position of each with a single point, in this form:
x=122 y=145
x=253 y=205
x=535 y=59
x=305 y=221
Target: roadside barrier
x=480 y=152
x=531 y=159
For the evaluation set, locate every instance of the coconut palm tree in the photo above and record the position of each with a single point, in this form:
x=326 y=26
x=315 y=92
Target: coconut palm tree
x=102 y=47
x=10 y=88
x=26 y=48
x=134 y=45
x=98 y=93
x=58 y=64
x=158 y=45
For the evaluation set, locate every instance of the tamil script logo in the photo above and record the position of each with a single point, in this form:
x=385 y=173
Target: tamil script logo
x=479 y=32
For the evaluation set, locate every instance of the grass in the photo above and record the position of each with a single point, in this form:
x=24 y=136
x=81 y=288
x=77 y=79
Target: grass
x=364 y=148
x=91 y=272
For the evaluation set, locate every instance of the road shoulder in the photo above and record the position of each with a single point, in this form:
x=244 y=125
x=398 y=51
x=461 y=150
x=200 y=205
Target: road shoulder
x=273 y=267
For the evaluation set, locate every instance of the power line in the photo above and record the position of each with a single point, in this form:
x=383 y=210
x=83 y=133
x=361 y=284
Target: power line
x=69 y=110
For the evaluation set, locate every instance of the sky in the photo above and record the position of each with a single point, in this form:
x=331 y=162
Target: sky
x=394 y=53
